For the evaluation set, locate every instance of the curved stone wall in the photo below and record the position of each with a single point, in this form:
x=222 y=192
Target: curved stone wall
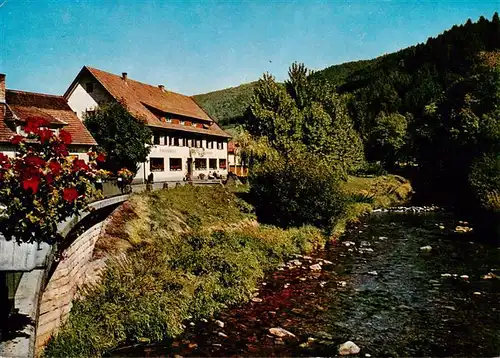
x=75 y=269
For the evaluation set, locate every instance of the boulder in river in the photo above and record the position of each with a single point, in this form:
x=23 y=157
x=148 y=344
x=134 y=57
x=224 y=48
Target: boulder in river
x=489 y=276
x=280 y=332
x=219 y=323
x=373 y=273
x=426 y=248
x=348 y=348
x=315 y=267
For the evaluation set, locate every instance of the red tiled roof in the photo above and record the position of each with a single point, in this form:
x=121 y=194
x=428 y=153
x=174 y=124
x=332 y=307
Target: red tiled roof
x=137 y=96
x=54 y=109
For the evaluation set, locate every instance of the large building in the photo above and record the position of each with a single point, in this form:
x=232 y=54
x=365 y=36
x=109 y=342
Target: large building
x=187 y=142
x=17 y=106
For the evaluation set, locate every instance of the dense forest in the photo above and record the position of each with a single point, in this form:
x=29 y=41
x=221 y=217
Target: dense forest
x=430 y=111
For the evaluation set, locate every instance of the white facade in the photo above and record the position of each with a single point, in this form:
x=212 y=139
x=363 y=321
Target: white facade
x=81 y=101
x=171 y=163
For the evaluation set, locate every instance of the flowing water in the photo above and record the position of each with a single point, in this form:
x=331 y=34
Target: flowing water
x=381 y=291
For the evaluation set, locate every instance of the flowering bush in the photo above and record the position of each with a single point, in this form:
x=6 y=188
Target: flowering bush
x=125 y=176
x=42 y=185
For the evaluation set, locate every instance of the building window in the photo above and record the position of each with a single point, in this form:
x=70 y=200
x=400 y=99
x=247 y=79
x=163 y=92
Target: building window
x=200 y=163
x=212 y=163
x=190 y=142
x=210 y=144
x=156 y=164
x=89 y=87
x=175 y=164
x=156 y=139
x=220 y=145
x=174 y=141
x=198 y=143
x=222 y=164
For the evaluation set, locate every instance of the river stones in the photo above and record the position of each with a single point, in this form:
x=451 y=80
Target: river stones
x=426 y=248
x=373 y=273
x=280 y=332
x=256 y=299
x=219 y=323
x=315 y=267
x=348 y=348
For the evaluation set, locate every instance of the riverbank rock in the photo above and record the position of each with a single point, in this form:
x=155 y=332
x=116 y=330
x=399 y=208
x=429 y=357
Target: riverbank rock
x=256 y=299
x=373 y=273
x=315 y=267
x=463 y=229
x=489 y=276
x=426 y=248
x=348 y=348
x=280 y=332
x=219 y=323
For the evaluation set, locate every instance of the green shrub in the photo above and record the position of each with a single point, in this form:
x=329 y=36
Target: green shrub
x=297 y=190
x=485 y=180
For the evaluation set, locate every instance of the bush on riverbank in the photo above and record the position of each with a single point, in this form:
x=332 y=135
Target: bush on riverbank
x=191 y=252
x=297 y=189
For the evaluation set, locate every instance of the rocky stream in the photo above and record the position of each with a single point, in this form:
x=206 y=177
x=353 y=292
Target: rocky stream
x=404 y=283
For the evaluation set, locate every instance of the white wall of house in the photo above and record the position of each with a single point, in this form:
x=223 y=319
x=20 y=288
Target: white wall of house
x=81 y=101
x=163 y=154
x=75 y=151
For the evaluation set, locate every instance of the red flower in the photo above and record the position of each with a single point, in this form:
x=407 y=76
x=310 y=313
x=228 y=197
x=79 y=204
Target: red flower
x=17 y=139
x=33 y=124
x=4 y=161
x=45 y=135
x=101 y=157
x=70 y=194
x=65 y=137
x=49 y=178
x=79 y=164
x=32 y=184
x=60 y=149
x=34 y=161
x=55 y=167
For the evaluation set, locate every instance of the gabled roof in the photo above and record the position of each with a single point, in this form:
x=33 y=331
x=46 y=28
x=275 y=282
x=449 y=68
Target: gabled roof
x=21 y=105
x=138 y=96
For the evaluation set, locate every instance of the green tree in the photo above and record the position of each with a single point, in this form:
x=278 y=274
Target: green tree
x=125 y=139
x=388 y=136
x=305 y=114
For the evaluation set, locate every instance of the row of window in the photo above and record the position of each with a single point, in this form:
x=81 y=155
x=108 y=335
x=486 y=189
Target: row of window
x=186 y=142
x=175 y=164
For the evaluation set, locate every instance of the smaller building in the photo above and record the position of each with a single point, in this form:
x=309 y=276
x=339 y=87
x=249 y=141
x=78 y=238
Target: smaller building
x=236 y=163
x=17 y=106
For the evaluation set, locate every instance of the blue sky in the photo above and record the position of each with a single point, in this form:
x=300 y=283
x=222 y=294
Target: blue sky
x=199 y=46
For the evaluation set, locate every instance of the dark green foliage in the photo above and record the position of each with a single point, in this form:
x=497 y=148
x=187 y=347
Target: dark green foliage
x=227 y=106
x=295 y=190
x=485 y=180
x=123 y=138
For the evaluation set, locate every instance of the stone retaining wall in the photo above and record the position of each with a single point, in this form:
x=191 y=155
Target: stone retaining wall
x=75 y=268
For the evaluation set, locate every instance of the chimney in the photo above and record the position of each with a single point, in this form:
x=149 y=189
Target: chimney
x=2 y=88
x=124 y=76
x=161 y=87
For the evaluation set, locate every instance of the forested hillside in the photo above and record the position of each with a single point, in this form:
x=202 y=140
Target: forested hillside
x=227 y=106
x=432 y=108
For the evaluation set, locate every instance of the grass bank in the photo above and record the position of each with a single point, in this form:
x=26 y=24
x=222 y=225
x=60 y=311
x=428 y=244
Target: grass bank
x=190 y=252
x=368 y=193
